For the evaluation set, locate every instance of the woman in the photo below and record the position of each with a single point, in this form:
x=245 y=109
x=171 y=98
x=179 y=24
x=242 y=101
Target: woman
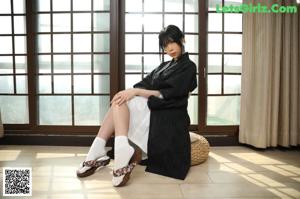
x=152 y=116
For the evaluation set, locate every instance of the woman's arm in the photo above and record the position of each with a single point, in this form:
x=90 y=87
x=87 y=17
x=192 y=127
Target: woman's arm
x=147 y=93
x=128 y=94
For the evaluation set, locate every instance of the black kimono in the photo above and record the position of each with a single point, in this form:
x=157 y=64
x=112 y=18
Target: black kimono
x=169 y=142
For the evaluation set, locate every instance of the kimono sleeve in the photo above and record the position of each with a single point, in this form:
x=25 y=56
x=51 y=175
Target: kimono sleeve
x=181 y=83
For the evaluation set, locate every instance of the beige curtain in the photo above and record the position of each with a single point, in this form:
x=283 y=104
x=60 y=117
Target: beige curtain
x=1 y=127
x=270 y=96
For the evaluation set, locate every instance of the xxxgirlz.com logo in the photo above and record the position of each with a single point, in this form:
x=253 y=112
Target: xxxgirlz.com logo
x=258 y=8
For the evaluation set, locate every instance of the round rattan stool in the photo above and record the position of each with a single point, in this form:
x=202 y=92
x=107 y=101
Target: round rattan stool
x=199 y=149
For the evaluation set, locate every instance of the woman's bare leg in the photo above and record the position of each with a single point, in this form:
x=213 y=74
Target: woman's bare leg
x=121 y=119
x=116 y=119
x=107 y=128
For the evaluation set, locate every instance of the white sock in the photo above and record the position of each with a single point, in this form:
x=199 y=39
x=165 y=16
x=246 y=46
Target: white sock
x=123 y=153
x=96 y=150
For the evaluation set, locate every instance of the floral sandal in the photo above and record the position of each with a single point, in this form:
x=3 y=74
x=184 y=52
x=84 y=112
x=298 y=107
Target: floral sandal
x=135 y=159
x=94 y=164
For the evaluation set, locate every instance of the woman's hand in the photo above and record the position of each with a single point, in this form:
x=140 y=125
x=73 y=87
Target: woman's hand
x=124 y=96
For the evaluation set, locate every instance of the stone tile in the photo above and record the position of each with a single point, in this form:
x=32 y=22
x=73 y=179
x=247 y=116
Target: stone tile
x=224 y=190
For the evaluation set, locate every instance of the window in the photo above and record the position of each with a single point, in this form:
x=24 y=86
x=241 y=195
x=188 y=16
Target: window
x=13 y=63
x=224 y=63
x=81 y=52
x=73 y=52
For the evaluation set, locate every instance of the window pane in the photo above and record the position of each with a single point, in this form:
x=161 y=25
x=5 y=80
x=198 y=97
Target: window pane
x=21 y=81
x=175 y=19
x=61 y=5
x=90 y=110
x=61 y=43
x=82 y=83
x=61 y=23
x=133 y=6
x=20 y=44
x=151 y=62
x=5 y=7
x=133 y=43
x=214 y=63
x=173 y=5
x=62 y=83
x=214 y=22
x=233 y=2
x=152 y=22
x=214 y=42
x=55 y=110
x=5 y=22
x=101 y=63
x=44 y=84
x=151 y=43
x=191 y=23
x=133 y=63
x=191 y=43
x=44 y=43
x=19 y=6
x=233 y=63
x=82 y=42
x=44 y=62
x=6 y=45
x=101 y=22
x=193 y=109
x=214 y=84
x=6 y=64
x=62 y=63
x=101 y=84
x=82 y=22
x=133 y=22
x=218 y=114
x=191 y=6
x=21 y=64
x=82 y=63
x=232 y=84
x=81 y=5
x=43 y=21
x=43 y=5
x=101 y=4
x=101 y=42
x=233 y=22
x=19 y=25
x=6 y=84
x=212 y=4
x=14 y=109
x=153 y=5
x=87 y=110
x=130 y=80
x=233 y=42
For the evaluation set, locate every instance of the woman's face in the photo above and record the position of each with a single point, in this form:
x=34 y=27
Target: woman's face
x=173 y=50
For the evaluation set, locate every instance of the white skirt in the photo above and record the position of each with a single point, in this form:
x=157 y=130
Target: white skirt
x=139 y=122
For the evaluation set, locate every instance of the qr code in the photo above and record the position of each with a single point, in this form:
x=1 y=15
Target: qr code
x=17 y=181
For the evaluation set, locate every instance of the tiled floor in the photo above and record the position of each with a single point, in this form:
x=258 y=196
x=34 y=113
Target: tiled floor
x=229 y=172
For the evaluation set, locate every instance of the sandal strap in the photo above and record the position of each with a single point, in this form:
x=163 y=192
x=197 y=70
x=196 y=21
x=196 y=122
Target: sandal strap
x=94 y=163
x=124 y=170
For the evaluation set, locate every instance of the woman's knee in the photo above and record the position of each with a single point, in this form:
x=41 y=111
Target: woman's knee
x=115 y=106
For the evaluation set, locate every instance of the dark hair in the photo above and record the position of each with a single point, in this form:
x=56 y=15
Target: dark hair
x=170 y=34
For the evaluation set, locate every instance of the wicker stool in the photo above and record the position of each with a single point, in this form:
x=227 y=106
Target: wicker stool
x=199 y=149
